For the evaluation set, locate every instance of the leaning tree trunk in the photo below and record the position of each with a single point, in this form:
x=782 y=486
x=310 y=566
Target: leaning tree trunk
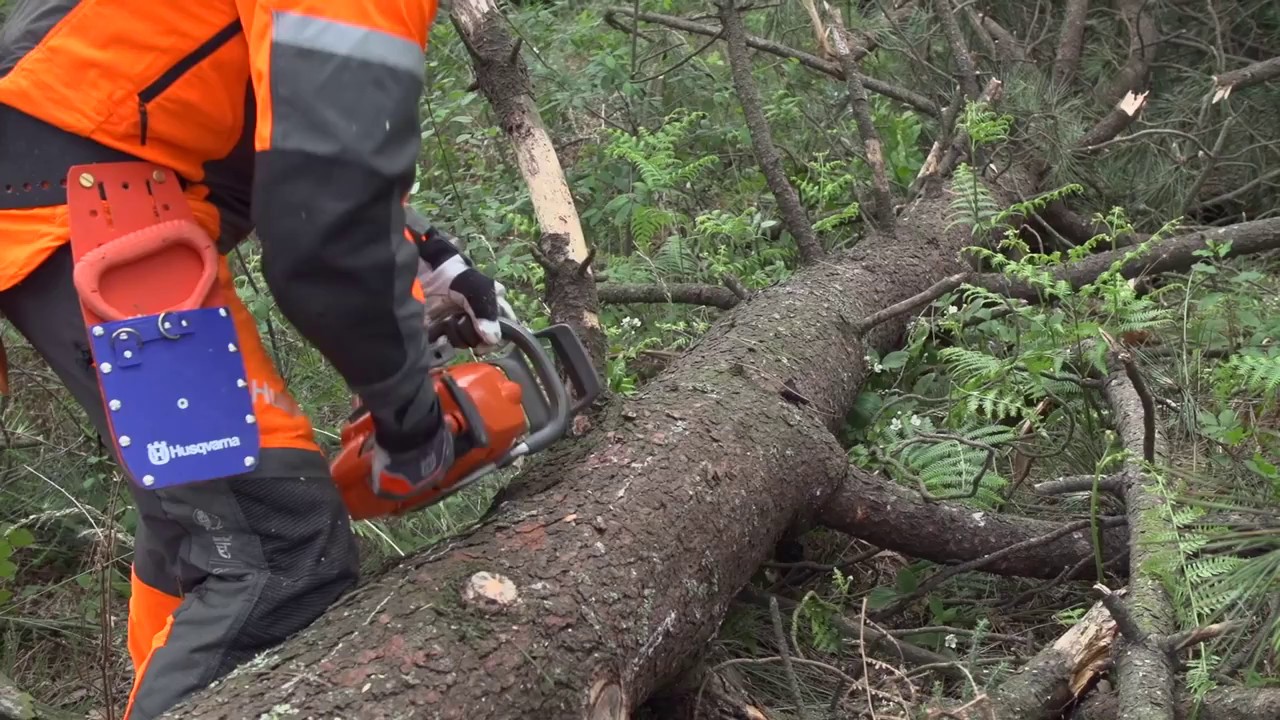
x=503 y=78
x=602 y=575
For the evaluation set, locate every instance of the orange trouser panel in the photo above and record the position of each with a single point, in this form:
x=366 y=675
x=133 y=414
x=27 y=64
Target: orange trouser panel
x=150 y=617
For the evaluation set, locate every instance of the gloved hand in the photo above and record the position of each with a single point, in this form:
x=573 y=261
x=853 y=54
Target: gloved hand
x=451 y=284
x=400 y=474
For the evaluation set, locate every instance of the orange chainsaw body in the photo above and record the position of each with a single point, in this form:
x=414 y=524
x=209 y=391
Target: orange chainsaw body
x=499 y=401
x=497 y=409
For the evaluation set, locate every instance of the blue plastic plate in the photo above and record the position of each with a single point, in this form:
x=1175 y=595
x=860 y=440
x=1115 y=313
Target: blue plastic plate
x=177 y=396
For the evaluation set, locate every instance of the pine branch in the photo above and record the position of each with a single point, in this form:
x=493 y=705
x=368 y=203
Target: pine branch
x=1139 y=17
x=959 y=51
x=1070 y=42
x=1247 y=76
x=766 y=152
x=809 y=60
x=1171 y=255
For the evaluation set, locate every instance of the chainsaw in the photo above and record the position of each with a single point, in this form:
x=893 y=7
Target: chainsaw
x=498 y=409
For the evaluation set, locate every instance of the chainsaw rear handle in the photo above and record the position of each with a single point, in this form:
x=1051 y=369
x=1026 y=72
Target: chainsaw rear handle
x=557 y=396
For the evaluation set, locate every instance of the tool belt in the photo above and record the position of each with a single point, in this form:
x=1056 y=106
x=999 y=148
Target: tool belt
x=34 y=157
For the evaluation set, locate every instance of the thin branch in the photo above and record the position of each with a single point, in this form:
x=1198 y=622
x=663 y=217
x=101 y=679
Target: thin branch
x=1079 y=483
x=935 y=291
x=1120 y=613
x=793 y=213
x=1070 y=42
x=809 y=60
x=1171 y=255
x=1148 y=406
x=682 y=293
x=1007 y=46
x=1143 y=38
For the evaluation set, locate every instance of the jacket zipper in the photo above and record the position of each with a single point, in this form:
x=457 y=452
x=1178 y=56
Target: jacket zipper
x=180 y=68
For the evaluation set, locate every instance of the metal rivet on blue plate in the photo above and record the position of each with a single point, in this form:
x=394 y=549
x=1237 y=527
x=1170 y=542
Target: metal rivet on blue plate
x=105 y=367
x=249 y=461
x=182 y=403
x=98 y=331
x=222 y=312
x=231 y=347
x=148 y=480
x=128 y=354
x=241 y=383
x=250 y=419
x=124 y=441
x=114 y=404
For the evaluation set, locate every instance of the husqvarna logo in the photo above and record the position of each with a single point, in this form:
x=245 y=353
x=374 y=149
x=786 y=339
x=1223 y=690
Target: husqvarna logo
x=158 y=452
x=161 y=452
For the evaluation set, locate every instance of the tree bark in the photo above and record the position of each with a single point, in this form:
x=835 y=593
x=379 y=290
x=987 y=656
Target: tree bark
x=503 y=78
x=1070 y=42
x=686 y=293
x=1144 y=669
x=602 y=572
x=895 y=518
x=1226 y=703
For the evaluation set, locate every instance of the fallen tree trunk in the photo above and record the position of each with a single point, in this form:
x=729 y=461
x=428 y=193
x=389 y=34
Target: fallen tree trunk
x=603 y=572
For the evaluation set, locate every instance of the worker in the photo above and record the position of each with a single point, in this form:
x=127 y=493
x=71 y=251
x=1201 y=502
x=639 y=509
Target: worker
x=294 y=118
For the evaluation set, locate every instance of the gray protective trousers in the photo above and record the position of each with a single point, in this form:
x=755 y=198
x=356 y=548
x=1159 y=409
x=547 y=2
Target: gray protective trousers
x=246 y=561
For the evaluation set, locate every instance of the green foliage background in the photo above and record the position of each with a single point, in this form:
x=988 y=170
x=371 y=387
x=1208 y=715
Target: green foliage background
x=660 y=164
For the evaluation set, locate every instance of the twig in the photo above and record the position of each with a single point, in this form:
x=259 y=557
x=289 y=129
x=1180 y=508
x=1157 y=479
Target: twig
x=935 y=291
x=809 y=60
x=784 y=650
x=862 y=647
x=906 y=651
x=793 y=213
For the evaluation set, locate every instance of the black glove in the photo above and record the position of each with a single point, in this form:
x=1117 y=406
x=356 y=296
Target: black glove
x=451 y=284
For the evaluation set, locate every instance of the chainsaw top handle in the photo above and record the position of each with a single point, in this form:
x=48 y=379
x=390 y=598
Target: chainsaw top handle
x=557 y=395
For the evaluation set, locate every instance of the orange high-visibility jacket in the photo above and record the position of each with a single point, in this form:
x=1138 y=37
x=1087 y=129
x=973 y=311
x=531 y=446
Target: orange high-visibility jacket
x=298 y=118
